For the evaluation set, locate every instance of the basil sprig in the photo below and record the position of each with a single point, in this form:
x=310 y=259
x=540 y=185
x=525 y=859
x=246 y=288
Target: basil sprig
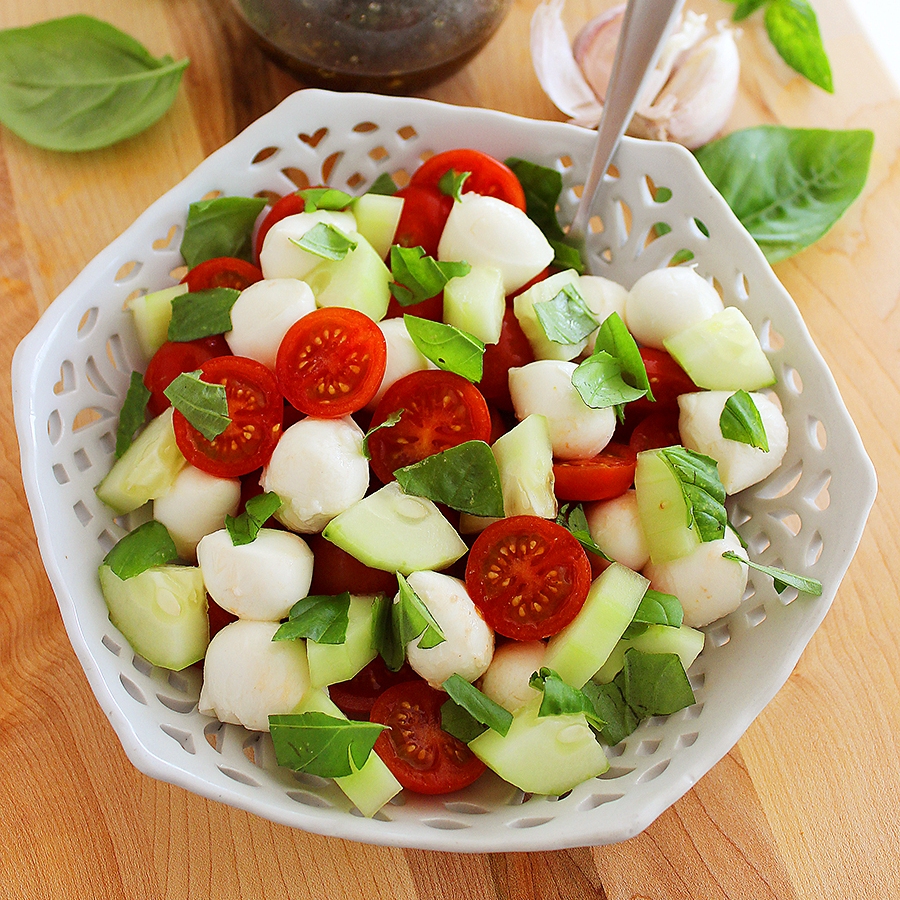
x=204 y=405
x=148 y=545
x=319 y=618
x=326 y=241
x=478 y=705
x=133 y=412
x=740 y=421
x=565 y=318
x=702 y=489
x=245 y=528
x=448 y=347
x=222 y=226
x=781 y=578
x=200 y=314
x=419 y=277
x=78 y=83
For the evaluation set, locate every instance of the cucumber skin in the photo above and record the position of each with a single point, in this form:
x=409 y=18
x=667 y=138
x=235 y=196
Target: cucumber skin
x=331 y=663
x=377 y=217
x=524 y=458
x=152 y=313
x=475 y=303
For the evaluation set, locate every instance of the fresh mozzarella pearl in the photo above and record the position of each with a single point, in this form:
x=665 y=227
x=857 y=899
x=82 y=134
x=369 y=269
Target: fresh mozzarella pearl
x=707 y=585
x=507 y=677
x=545 y=387
x=666 y=301
x=280 y=257
x=740 y=465
x=487 y=231
x=260 y=580
x=247 y=676
x=403 y=357
x=196 y=504
x=616 y=528
x=318 y=469
x=603 y=298
x=469 y=642
x=262 y=314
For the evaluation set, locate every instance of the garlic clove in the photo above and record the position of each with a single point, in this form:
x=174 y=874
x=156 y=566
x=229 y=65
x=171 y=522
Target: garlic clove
x=594 y=48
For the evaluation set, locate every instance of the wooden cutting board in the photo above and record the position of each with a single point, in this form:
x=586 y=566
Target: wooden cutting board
x=805 y=806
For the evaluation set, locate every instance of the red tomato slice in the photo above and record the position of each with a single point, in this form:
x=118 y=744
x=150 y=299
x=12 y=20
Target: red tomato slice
x=422 y=219
x=255 y=407
x=175 y=357
x=223 y=271
x=356 y=697
x=512 y=350
x=331 y=362
x=602 y=477
x=528 y=576
x=218 y=617
x=288 y=205
x=487 y=175
x=336 y=571
x=422 y=756
x=659 y=429
x=439 y=410
x=667 y=381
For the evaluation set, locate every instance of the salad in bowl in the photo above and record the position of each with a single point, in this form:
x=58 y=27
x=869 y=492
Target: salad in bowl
x=411 y=523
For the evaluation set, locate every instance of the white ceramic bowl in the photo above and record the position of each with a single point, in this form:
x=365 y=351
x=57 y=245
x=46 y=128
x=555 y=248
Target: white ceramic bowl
x=71 y=373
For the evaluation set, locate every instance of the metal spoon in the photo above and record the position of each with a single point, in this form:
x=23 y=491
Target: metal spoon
x=645 y=26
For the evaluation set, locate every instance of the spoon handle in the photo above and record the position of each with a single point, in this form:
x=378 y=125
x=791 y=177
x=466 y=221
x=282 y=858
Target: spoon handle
x=645 y=26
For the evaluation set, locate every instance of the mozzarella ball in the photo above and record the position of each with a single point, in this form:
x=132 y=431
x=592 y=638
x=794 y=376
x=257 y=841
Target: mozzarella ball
x=262 y=314
x=666 y=301
x=259 y=580
x=707 y=585
x=507 y=679
x=247 y=676
x=603 y=297
x=487 y=231
x=740 y=464
x=544 y=387
x=469 y=641
x=403 y=357
x=196 y=504
x=280 y=257
x=616 y=528
x=318 y=470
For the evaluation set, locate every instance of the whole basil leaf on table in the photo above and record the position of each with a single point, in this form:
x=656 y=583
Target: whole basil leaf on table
x=78 y=83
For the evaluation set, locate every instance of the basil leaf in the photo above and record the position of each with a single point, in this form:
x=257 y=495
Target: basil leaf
x=448 y=347
x=383 y=184
x=451 y=183
x=133 y=413
x=419 y=277
x=782 y=578
x=148 y=545
x=480 y=706
x=464 y=477
x=459 y=722
x=322 y=745
x=389 y=422
x=200 y=314
x=387 y=634
x=542 y=186
x=560 y=698
x=324 y=198
x=599 y=382
x=572 y=517
x=244 y=529
x=566 y=257
x=740 y=421
x=204 y=405
x=615 y=338
x=326 y=241
x=619 y=719
x=745 y=8
x=77 y=83
x=415 y=622
x=322 y=619
x=788 y=186
x=655 y=684
x=794 y=32
x=702 y=489
x=565 y=318
x=655 y=608
x=222 y=226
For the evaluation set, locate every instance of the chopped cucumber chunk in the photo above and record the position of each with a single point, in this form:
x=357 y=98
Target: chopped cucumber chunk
x=331 y=663
x=475 y=303
x=377 y=216
x=523 y=306
x=152 y=313
x=687 y=642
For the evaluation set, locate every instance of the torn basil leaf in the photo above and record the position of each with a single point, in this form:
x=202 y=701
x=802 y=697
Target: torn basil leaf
x=389 y=422
x=655 y=684
x=244 y=529
x=478 y=705
x=599 y=382
x=565 y=318
x=324 y=198
x=414 y=621
x=457 y=721
x=387 y=633
x=561 y=698
x=619 y=719
x=419 y=277
x=615 y=338
x=448 y=347
x=204 y=405
x=148 y=545
x=704 y=495
x=572 y=517
x=655 y=608
x=383 y=184
x=200 y=314
x=132 y=414
x=451 y=183
x=322 y=619
x=222 y=226
x=740 y=421
x=326 y=241
x=782 y=578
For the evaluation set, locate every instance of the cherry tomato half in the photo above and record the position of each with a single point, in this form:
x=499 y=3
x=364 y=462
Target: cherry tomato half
x=422 y=756
x=667 y=381
x=336 y=571
x=255 y=408
x=288 y=205
x=659 y=429
x=422 y=219
x=175 y=357
x=487 y=175
x=356 y=697
x=222 y=271
x=331 y=362
x=528 y=576
x=438 y=410
x=512 y=350
x=602 y=477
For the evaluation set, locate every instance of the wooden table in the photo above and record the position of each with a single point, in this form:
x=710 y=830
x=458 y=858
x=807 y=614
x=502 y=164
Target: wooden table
x=805 y=806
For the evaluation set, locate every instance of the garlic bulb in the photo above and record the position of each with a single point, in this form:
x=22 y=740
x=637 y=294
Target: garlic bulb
x=688 y=97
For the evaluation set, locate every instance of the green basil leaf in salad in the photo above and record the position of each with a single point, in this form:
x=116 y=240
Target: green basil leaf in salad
x=148 y=545
x=448 y=347
x=133 y=412
x=319 y=618
x=615 y=338
x=655 y=684
x=740 y=421
x=451 y=183
x=389 y=422
x=77 y=83
x=600 y=383
x=419 y=277
x=745 y=8
x=326 y=241
x=565 y=318
x=222 y=226
x=457 y=721
x=800 y=182
x=200 y=314
x=244 y=529
x=478 y=705
x=572 y=517
x=322 y=745
x=782 y=578
x=415 y=622
x=387 y=633
x=204 y=405
x=655 y=608
x=464 y=477
x=619 y=719
x=561 y=698
x=383 y=184
x=324 y=198
x=702 y=489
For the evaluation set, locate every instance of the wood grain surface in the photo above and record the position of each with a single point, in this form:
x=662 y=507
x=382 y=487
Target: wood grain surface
x=805 y=806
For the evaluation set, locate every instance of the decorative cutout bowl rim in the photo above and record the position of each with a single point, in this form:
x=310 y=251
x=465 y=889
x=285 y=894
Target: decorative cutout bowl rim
x=352 y=138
